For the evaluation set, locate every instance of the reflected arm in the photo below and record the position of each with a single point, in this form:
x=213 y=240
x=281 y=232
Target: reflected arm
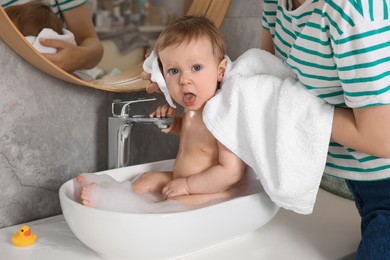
x=89 y=49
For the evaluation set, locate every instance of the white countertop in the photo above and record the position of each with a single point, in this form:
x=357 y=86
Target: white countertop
x=331 y=232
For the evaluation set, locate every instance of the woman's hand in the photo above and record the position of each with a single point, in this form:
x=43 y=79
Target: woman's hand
x=68 y=57
x=89 y=50
x=152 y=86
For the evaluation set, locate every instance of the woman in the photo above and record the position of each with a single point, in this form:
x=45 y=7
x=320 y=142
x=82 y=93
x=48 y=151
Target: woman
x=340 y=51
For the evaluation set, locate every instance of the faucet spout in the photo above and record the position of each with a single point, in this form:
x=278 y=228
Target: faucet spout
x=119 y=130
x=126 y=106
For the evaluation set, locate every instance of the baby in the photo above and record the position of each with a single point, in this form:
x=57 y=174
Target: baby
x=36 y=20
x=191 y=55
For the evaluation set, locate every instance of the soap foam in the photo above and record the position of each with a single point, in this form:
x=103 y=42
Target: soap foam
x=109 y=194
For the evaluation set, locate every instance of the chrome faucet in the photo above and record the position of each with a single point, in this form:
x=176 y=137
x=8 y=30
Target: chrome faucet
x=124 y=114
x=119 y=130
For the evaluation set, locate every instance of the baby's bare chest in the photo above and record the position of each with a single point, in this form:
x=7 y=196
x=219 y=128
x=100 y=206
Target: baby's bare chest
x=198 y=149
x=195 y=137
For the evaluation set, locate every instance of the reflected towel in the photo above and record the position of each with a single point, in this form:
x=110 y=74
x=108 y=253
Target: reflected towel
x=266 y=117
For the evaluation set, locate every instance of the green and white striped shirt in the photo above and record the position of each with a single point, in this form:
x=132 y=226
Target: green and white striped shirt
x=340 y=51
x=56 y=5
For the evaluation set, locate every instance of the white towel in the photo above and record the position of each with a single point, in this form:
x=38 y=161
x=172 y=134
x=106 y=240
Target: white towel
x=68 y=36
x=151 y=66
x=266 y=117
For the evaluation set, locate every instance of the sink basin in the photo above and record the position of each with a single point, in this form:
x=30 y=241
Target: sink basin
x=118 y=235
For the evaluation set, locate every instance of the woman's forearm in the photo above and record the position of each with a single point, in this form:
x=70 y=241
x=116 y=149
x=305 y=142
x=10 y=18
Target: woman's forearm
x=79 y=22
x=266 y=42
x=363 y=129
x=93 y=52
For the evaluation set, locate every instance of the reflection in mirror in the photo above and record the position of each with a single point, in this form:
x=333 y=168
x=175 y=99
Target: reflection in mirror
x=127 y=29
x=35 y=20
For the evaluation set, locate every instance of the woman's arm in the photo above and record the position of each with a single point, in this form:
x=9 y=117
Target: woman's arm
x=266 y=42
x=89 y=50
x=363 y=129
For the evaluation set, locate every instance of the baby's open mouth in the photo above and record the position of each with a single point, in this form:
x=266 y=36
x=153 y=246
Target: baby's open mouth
x=189 y=99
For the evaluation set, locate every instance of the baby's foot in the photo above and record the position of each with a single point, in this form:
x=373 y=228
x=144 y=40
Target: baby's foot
x=101 y=195
x=89 y=178
x=88 y=196
x=111 y=197
x=86 y=182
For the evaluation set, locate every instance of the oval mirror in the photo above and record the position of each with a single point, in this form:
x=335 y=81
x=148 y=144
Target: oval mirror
x=128 y=78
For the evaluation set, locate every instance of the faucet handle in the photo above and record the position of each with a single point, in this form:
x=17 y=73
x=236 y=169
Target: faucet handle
x=126 y=107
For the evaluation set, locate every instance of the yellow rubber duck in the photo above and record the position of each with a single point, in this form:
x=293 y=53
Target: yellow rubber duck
x=24 y=237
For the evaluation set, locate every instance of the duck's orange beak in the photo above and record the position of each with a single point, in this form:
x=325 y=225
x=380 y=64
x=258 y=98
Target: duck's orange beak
x=27 y=233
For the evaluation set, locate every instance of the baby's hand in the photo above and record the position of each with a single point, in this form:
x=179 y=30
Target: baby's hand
x=164 y=112
x=175 y=188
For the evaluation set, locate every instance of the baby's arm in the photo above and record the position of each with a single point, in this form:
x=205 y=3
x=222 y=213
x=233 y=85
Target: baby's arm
x=215 y=179
x=168 y=111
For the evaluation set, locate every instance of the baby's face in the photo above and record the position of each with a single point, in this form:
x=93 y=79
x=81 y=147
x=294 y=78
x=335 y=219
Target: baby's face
x=191 y=72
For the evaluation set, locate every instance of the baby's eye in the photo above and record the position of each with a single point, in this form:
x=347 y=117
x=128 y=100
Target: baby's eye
x=196 y=67
x=173 y=71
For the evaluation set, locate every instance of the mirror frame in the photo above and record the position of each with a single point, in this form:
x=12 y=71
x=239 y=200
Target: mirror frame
x=127 y=81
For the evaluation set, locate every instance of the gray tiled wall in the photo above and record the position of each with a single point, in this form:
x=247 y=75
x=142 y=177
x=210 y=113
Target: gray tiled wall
x=50 y=131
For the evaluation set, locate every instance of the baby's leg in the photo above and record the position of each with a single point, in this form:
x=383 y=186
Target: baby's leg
x=88 y=181
x=152 y=182
x=204 y=199
x=117 y=198
x=89 y=178
x=109 y=194
x=104 y=192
